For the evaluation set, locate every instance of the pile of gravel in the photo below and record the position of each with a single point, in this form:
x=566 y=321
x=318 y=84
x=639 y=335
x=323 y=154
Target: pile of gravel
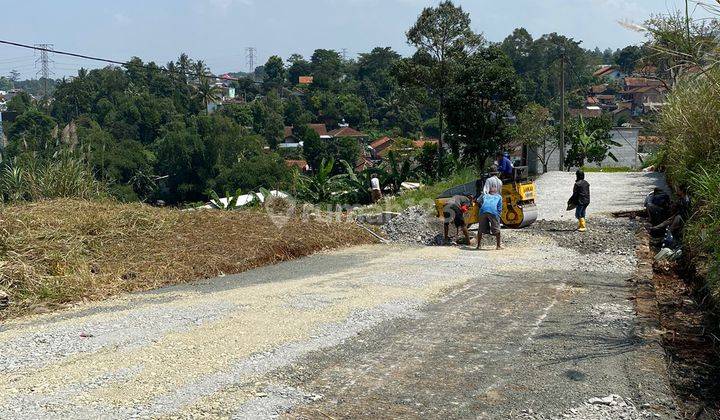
x=604 y=236
x=415 y=226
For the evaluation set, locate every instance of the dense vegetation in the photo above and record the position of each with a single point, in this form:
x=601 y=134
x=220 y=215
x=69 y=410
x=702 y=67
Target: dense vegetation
x=145 y=133
x=690 y=124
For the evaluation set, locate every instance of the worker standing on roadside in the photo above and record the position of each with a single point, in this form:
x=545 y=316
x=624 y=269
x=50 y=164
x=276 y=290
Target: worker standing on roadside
x=490 y=209
x=580 y=199
x=376 y=193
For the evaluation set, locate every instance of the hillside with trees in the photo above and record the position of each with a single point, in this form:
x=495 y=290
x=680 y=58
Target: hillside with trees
x=147 y=132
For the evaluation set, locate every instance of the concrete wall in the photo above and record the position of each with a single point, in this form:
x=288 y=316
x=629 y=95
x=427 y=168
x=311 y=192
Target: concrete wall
x=626 y=153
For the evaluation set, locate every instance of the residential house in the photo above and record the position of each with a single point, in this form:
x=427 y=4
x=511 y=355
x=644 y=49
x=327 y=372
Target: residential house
x=290 y=140
x=378 y=147
x=608 y=72
x=646 y=95
x=589 y=112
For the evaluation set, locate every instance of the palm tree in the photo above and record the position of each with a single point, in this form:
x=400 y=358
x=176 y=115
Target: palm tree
x=207 y=92
x=184 y=63
x=200 y=70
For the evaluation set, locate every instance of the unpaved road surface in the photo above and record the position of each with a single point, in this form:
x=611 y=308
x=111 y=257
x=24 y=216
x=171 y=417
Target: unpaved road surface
x=532 y=331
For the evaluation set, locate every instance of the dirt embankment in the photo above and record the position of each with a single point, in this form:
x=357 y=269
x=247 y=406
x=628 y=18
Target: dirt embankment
x=58 y=252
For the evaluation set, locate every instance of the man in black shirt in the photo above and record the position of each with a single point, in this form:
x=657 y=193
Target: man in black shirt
x=454 y=211
x=580 y=199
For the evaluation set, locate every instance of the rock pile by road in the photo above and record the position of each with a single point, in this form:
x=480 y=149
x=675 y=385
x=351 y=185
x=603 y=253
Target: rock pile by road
x=415 y=225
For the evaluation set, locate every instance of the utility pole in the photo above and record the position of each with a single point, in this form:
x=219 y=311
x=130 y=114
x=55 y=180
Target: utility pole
x=44 y=61
x=561 y=158
x=251 y=56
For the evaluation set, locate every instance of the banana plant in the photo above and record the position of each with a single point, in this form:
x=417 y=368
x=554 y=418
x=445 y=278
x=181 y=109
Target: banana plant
x=233 y=201
x=356 y=186
x=399 y=170
x=321 y=187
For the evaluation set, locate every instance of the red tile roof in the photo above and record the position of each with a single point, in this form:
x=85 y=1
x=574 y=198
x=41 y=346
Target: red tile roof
x=321 y=129
x=301 y=164
x=346 y=132
x=591 y=100
x=382 y=143
x=604 y=70
x=587 y=113
x=422 y=142
x=606 y=97
x=599 y=88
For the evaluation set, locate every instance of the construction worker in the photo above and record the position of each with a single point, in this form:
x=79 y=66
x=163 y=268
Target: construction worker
x=454 y=211
x=376 y=193
x=505 y=166
x=580 y=199
x=492 y=182
x=490 y=210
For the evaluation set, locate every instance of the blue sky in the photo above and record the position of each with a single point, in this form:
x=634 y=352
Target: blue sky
x=219 y=30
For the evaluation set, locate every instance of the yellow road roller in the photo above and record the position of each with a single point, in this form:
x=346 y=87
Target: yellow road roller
x=519 y=195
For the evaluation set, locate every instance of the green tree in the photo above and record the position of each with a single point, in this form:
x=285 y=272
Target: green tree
x=275 y=74
x=321 y=186
x=399 y=170
x=534 y=131
x=207 y=92
x=629 y=58
x=298 y=66
x=20 y=103
x=314 y=148
x=487 y=89
x=441 y=35
x=345 y=148
x=327 y=68
x=32 y=132
x=590 y=142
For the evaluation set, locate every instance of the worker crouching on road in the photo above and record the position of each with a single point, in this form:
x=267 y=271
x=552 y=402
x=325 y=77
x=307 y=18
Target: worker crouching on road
x=580 y=199
x=490 y=210
x=454 y=211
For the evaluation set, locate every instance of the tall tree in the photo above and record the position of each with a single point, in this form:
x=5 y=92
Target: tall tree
x=441 y=34
x=534 y=131
x=486 y=91
x=274 y=77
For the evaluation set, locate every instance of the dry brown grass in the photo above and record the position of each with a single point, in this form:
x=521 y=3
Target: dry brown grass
x=62 y=251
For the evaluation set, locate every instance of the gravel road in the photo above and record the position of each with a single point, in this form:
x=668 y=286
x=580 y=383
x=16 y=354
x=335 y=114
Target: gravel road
x=534 y=331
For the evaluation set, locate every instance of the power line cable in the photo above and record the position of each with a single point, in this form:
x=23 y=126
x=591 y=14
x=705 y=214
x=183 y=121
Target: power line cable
x=107 y=60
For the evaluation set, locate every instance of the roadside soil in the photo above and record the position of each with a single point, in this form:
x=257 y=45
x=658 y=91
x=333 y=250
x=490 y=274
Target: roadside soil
x=56 y=253
x=686 y=329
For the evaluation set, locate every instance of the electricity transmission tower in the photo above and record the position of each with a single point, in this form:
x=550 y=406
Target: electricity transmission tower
x=344 y=53
x=251 y=56
x=44 y=61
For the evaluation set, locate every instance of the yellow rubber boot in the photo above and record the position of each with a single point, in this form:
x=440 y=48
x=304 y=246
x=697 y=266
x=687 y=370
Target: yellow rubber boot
x=582 y=226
